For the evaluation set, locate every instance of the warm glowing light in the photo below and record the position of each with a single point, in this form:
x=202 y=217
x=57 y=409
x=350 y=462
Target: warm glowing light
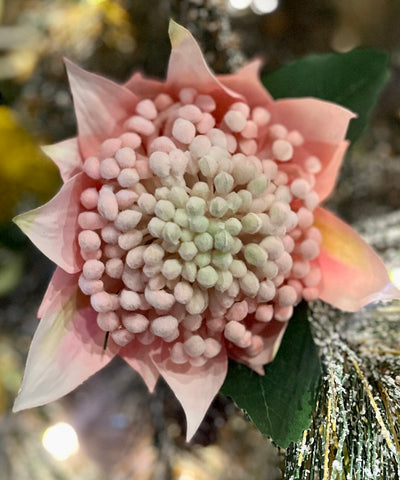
x=394 y=274
x=240 y=4
x=60 y=440
x=264 y=6
x=186 y=476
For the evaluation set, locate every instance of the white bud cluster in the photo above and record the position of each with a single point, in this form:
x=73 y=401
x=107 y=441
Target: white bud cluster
x=196 y=233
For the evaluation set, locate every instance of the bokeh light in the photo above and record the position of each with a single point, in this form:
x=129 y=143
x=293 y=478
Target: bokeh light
x=61 y=441
x=259 y=7
x=240 y=4
x=262 y=7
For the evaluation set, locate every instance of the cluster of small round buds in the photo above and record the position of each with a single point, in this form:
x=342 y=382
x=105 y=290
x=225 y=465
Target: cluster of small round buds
x=192 y=231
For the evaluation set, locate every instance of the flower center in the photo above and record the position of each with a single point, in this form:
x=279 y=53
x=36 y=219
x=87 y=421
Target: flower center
x=196 y=231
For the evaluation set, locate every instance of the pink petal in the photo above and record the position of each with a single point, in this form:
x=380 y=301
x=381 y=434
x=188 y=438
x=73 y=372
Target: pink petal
x=144 y=87
x=272 y=338
x=53 y=290
x=353 y=275
x=100 y=106
x=194 y=387
x=187 y=68
x=317 y=120
x=66 y=349
x=137 y=356
x=66 y=156
x=53 y=227
x=246 y=81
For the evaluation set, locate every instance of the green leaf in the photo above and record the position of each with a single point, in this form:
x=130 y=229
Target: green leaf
x=353 y=80
x=280 y=404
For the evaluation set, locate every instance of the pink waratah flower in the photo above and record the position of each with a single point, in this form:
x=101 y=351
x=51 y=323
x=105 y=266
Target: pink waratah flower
x=188 y=227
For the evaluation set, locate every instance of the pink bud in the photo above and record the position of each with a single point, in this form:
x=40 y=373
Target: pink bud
x=135 y=322
x=109 y=168
x=125 y=157
x=234 y=331
x=159 y=299
x=147 y=109
x=235 y=120
x=89 y=240
x=109 y=147
x=260 y=115
x=93 y=269
x=108 y=321
x=122 y=337
x=287 y=296
x=164 y=326
x=114 y=267
x=91 y=221
x=140 y=125
x=264 y=312
x=107 y=205
x=89 y=198
x=191 y=113
x=178 y=354
x=282 y=150
x=92 y=167
x=238 y=311
x=183 y=130
x=131 y=140
x=102 y=302
x=206 y=103
x=194 y=346
x=129 y=300
x=90 y=287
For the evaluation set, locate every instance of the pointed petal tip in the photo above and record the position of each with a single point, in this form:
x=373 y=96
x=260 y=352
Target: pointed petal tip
x=17 y=405
x=177 y=33
x=195 y=388
x=52 y=227
x=22 y=402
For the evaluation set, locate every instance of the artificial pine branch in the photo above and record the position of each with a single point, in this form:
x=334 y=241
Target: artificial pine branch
x=355 y=429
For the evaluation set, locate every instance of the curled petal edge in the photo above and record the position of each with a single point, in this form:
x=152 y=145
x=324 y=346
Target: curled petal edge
x=353 y=275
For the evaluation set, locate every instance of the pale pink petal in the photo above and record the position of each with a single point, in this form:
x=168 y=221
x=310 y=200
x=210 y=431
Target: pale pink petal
x=144 y=87
x=272 y=338
x=353 y=275
x=53 y=227
x=246 y=81
x=66 y=349
x=101 y=106
x=137 y=356
x=66 y=156
x=187 y=68
x=317 y=120
x=194 y=387
x=59 y=278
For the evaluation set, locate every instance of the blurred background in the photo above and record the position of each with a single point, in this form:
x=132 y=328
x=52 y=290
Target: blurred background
x=110 y=428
